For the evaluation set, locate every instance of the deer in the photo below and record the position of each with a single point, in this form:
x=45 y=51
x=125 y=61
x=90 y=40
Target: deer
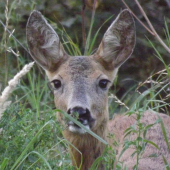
x=81 y=85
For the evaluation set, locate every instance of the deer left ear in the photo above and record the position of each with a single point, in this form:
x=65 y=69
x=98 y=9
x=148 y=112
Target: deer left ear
x=118 y=42
x=43 y=43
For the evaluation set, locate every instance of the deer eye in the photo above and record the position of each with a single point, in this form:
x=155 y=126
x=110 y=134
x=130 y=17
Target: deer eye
x=103 y=83
x=56 y=84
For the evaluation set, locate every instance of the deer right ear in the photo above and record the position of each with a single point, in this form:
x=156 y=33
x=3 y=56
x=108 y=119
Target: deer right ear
x=43 y=42
x=118 y=42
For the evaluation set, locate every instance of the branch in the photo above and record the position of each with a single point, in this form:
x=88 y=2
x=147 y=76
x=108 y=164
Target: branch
x=152 y=29
x=138 y=19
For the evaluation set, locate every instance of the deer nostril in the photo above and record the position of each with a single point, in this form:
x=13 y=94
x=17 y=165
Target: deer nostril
x=79 y=110
x=82 y=113
x=69 y=111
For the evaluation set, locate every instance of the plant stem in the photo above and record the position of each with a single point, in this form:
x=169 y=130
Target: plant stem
x=138 y=19
x=151 y=26
x=90 y=30
x=138 y=142
x=5 y=42
x=152 y=29
x=83 y=21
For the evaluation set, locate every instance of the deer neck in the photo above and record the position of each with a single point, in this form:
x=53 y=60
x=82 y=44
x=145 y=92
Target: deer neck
x=88 y=147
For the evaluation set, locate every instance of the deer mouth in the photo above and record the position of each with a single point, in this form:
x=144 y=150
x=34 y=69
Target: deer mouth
x=83 y=116
x=72 y=127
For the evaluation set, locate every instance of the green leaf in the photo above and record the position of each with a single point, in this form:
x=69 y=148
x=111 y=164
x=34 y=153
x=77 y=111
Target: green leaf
x=4 y=163
x=165 y=136
x=152 y=143
x=166 y=163
x=17 y=164
x=82 y=126
x=146 y=129
x=154 y=155
x=135 y=152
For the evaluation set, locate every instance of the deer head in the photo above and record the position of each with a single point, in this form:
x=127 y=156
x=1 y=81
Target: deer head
x=81 y=83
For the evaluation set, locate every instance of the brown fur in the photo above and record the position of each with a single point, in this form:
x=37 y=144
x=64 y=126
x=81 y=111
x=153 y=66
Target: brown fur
x=88 y=147
x=80 y=79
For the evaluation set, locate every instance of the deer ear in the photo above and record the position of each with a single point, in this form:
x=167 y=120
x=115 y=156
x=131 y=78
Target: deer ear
x=43 y=42
x=118 y=42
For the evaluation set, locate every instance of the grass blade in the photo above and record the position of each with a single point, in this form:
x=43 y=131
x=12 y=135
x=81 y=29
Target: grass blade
x=165 y=135
x=166 y=163
x=29 y=145
x=82 y=126
x=4 y=163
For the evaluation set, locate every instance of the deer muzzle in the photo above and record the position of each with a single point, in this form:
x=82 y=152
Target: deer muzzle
x=83 y=115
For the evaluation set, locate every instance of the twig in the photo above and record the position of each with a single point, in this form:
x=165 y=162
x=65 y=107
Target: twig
x=112 y=96
x=5 y=41
x=152 y=29
x=151 y=26
x=138 y=19
x=150 y=79
x=11 y=35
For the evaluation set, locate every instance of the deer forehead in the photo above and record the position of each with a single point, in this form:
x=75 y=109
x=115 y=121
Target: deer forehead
x=78 y=68
x=80 y=65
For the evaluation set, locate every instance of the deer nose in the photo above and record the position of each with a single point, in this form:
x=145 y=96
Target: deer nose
x=82 y=114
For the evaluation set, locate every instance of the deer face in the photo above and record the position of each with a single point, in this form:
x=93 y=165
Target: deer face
x=81 y=83
x=81 y=86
